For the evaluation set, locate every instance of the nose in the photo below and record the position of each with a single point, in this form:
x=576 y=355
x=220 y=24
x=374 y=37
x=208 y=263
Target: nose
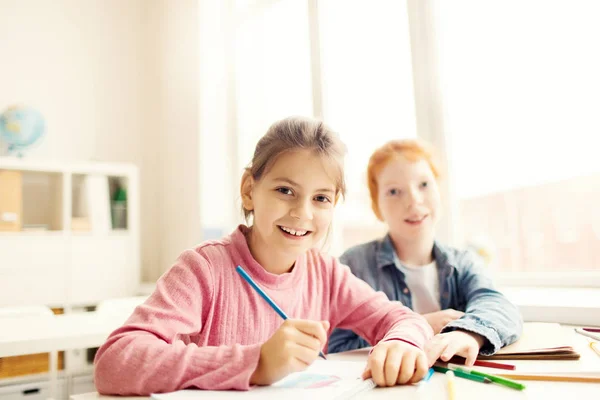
x=302 y=209
x=415 y=197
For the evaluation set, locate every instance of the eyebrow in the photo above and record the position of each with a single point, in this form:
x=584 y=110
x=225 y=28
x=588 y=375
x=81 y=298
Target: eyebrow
x=291 y=182
x=394 y=183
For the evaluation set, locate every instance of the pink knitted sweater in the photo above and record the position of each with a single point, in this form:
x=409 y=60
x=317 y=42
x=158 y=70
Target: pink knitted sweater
x=203 y=325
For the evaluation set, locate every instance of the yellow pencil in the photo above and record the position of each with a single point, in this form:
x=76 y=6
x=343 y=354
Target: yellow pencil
x=594 y=346
x=450 y=382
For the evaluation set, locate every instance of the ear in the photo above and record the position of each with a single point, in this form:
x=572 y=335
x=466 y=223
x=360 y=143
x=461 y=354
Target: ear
x=246 y=191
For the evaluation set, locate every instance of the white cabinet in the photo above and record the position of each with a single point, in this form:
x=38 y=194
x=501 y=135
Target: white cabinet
x=101 y=268
x=33 y=267
x=40 y=389
x=78 y=239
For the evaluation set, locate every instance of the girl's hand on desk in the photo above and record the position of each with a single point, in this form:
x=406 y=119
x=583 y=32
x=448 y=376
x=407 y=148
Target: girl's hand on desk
x=395 y=362
x=446 y=345
x=292 y=348
x=440 y=319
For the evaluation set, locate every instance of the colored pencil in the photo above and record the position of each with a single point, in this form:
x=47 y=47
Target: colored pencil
x=591 y=329
x=428 y=375
x=501 y=380
x=450 y=385
x=594 y=346
x=462 y=374
x=481 y=363
x=554 y=378
x=491 y=364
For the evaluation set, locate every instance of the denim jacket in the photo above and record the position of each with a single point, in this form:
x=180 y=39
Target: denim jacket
x=463 y=286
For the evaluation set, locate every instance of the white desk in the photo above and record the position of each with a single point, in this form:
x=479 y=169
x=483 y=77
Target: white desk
x=466 y=389
x=32 y=335
x=26 y=335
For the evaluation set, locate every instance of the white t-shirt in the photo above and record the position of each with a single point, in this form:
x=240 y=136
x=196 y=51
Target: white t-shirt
x=423 y=284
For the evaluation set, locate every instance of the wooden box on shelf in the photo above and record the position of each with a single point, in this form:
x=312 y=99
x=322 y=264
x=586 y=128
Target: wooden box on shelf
x=11 y=201
x=11 y=367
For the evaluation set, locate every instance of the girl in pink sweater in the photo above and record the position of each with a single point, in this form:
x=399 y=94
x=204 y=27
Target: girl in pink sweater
x=205 y=327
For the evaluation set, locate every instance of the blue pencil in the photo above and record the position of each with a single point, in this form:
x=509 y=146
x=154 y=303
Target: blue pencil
x=428 y=375
x=265 y=296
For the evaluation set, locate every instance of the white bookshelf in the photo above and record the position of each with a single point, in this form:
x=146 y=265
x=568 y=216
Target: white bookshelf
x=57 y=265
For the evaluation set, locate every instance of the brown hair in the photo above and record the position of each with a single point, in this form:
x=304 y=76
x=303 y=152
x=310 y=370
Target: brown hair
x=411 y=149
x=298 y=133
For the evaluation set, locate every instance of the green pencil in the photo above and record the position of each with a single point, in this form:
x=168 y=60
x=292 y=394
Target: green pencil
x=463 y=374
x=496 y=379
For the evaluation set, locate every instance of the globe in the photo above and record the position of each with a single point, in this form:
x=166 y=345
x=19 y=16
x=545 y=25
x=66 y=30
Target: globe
x=20 y=128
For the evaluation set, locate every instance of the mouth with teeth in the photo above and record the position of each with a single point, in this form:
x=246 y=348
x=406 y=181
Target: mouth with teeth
x=416 y=220
x=293 y=233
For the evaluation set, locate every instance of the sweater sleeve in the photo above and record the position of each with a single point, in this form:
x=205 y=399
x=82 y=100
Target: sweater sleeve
x=357 y=306
x=154 y=350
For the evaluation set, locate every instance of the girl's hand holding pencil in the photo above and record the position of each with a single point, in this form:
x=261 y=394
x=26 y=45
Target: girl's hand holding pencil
x=292 y=348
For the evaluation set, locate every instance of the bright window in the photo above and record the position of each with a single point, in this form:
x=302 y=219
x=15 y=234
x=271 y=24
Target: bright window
x=367 y=95
x=272 y=66
x=520 y=88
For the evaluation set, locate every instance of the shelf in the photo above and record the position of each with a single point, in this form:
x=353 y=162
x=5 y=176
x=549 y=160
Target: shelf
x=119 y=232
x=111 y=233
x=49 y=166
x=15 y=380
x=80 y=257
x=31 y=201
x=33 y=233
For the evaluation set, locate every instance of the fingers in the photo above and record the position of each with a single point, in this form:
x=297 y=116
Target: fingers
x=366 y=374
x=312 y=328
x=376 y=362
x=407 y=368
x=302 y=355
x=435 y=348
x=452 y=347
x=397 y=363
x=393 y=363
x=303 y=339
x=421 y=367
x=470 y=354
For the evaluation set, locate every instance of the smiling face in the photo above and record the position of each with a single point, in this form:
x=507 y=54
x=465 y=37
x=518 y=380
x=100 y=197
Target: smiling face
x=292 y=205
x=409 y=200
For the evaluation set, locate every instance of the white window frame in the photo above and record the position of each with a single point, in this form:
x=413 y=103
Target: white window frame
x=430 y=126
x=429 y=108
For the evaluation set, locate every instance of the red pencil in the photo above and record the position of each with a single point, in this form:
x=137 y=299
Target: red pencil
x=490 y=364
x=480 y=363
x=591 y=329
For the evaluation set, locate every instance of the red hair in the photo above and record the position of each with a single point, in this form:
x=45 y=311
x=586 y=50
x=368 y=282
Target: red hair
x=411 y=149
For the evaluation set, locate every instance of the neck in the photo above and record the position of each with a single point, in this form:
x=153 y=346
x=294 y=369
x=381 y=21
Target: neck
x=272 y=261
x=415 y=253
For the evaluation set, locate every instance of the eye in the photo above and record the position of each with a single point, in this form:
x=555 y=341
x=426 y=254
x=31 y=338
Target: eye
x=322 y=199
x=424 y=184
x=285 y=190
x=393 y=192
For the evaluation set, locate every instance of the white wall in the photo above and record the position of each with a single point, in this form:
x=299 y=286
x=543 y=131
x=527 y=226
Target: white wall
x=221 y=170
x=116 y=80
x=173 y=164
x=78 y=62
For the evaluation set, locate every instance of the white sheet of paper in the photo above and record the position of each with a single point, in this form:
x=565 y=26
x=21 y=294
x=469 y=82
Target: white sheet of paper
x=323 y=379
